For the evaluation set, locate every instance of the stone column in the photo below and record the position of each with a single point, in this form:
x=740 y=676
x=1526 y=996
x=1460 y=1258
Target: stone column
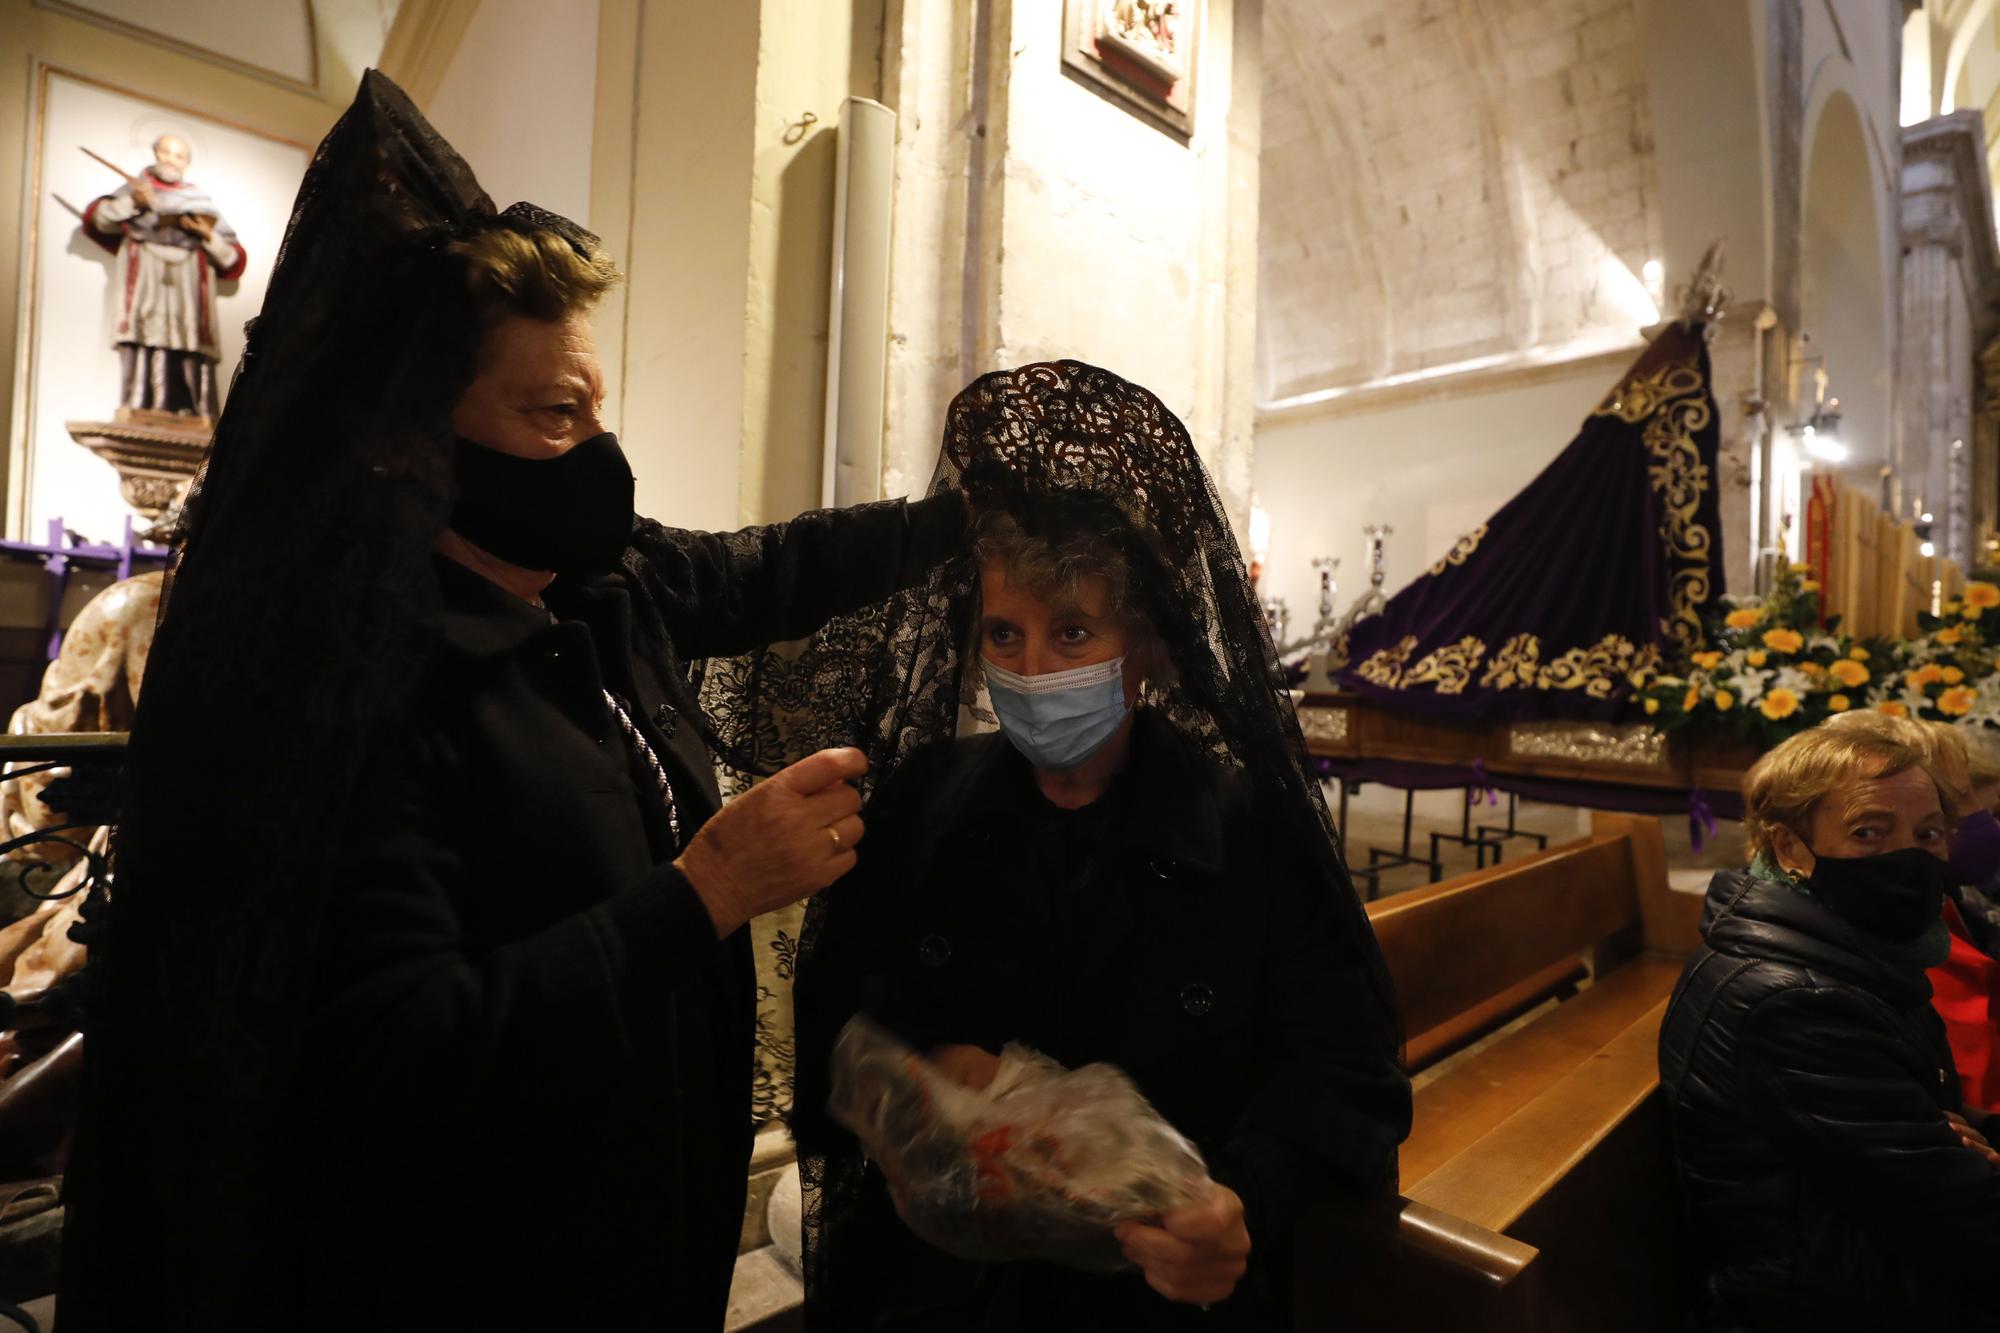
x=1951 y=275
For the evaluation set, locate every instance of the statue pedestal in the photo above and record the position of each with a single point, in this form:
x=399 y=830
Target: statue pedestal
x=155 y=454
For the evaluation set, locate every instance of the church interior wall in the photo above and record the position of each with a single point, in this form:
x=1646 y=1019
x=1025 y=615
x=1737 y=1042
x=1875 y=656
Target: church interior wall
x=492 y=103
x=1114 y=234
x=813 y=56
x=1037 y=218
x=1697 y=76
x=1705 y=93
x=694 y=125
x=1432 y=470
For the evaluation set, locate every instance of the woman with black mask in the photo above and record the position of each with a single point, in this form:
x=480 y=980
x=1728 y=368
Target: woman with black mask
x=422 y=999
x=1830 y=1174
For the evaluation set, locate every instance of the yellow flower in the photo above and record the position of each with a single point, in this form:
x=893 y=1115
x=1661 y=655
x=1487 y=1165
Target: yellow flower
x=1784 y=640
x=1812 y=668
x=1928 y=674
x=1953 y=607
x=1848 y=672
x=1892 y=709
x=1778 y=703
x=1949 y=637
x=1952 y=675
x=1982 y=595
x=1707 y=661
x=1858 y=654
x=1747 y=618
x=1810 y=585
x=1693 y=698
x=1652 y=706
x=1756 y=657
x=1837 y=703
x=1957 y=700
x=1724 y=701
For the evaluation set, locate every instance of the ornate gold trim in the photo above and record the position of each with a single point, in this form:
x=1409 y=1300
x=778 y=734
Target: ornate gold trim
x=1673 y=403
x=1449 y=668
x=1385 y=668
x=1460 y=552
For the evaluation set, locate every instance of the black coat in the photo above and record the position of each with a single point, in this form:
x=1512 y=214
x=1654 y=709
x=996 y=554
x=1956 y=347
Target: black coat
x=530 y=1104
x=1808 y=1080
x=1178 y=935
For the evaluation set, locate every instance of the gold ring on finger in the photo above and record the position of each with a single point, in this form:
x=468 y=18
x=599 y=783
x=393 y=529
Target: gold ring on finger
x=834 y=833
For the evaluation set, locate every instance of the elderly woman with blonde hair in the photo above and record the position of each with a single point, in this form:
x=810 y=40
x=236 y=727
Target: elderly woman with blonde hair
x=1830 y=1172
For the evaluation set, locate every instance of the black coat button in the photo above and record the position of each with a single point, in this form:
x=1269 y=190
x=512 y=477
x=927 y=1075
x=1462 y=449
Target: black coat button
x=1197 y=998
x=935 y=950
x=666 y=719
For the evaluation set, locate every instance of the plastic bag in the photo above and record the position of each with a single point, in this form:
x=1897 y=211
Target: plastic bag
x=1042 y=1164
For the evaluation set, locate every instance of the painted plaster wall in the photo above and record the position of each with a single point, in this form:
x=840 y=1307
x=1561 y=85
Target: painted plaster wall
x=517 y=102
x=1431 y=470
x=690 y=165
x=812 y=57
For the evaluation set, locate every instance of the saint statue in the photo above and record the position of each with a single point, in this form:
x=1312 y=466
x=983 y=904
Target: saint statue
x=172 y=247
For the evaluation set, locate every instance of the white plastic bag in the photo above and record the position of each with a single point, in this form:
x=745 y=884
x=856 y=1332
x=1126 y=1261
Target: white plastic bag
x=1042 y=1164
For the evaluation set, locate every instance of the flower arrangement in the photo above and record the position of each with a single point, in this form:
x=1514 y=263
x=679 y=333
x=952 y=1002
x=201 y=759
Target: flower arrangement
x=1774 y=670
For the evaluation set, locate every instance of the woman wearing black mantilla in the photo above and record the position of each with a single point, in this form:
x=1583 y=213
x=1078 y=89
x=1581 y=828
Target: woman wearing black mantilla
x=1137 y=869
x=422 y=1000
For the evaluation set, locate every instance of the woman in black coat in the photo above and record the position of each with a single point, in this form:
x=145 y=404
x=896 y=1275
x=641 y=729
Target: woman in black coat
x=423 y=1000
x=1831 y=1176
x=1111 y=878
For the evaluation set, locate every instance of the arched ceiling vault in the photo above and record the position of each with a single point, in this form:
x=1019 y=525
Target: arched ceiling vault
x=1448 y=180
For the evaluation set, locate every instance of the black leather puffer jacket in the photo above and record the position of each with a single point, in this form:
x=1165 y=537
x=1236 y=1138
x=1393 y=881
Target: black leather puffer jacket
x=1807 y=1080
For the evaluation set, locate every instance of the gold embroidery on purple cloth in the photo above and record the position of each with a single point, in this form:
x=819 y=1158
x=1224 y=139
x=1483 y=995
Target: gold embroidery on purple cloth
x=1461 y=552
x=1448 y=668
x=1515 y=665
x=1673 y=398
x=1596 y=670
x=1385 y=668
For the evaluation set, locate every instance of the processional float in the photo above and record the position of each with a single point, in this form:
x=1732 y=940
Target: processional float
x=1505 y=666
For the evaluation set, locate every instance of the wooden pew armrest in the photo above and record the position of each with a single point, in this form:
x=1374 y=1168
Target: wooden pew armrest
x=1398 y=1263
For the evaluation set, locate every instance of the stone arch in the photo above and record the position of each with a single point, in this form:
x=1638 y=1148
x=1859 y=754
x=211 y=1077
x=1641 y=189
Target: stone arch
x=1970 y=25
x=1847 y=308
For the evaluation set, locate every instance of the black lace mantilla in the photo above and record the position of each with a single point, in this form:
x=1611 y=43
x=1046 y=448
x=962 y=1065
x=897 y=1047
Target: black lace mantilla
x=892 y=680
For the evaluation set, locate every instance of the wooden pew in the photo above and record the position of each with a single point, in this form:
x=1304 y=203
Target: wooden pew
x=1538 y=1189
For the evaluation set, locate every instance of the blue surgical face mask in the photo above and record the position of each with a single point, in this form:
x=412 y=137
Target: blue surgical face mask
x=1061 y=719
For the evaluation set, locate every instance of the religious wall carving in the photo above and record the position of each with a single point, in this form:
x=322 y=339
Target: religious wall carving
x=1140 y=53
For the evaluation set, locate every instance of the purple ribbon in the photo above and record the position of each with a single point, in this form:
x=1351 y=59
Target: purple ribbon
x=1701 y=820
x=1483 y=791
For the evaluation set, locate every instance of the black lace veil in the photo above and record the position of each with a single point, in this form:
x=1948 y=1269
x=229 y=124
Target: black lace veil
x=894 y=679
x=297 y=619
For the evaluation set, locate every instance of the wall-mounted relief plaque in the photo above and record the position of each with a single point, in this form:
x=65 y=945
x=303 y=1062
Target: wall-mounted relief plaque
x=1140 y=53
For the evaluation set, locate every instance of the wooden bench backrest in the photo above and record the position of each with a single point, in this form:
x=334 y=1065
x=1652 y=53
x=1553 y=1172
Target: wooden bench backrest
x=1452 y=945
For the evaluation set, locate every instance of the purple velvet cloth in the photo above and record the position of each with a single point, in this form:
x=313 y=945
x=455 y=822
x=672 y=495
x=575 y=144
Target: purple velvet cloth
x=1598 y=568
x=1975 y=849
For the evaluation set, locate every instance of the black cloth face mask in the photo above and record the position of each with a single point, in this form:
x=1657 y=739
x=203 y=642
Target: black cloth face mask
x=571 y=513
x=1894 y=895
